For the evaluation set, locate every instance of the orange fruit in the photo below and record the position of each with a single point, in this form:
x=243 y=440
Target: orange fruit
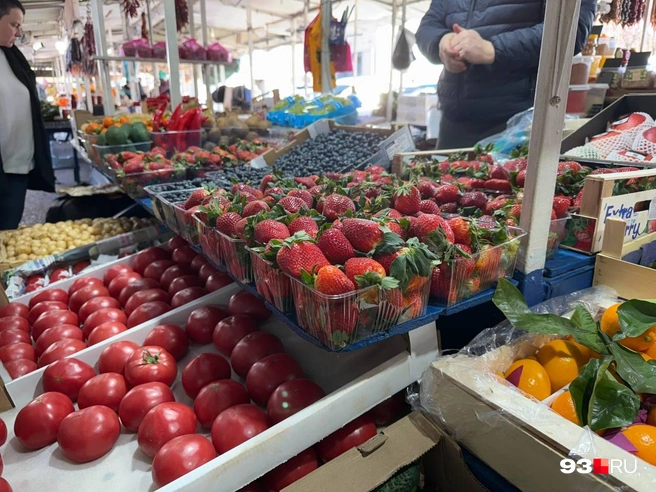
x=610 y=325
x=586 y=353
x=564 y=405
x=533 y=379
x=643 y=437
x=646 y=357
x=651 y=416
x=651 y=351
x=562 y=360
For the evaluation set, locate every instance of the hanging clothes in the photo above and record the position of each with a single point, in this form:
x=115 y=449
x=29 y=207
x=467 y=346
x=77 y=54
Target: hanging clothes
x=312 y=54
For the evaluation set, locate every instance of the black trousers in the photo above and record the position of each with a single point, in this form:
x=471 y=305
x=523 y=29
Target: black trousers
x=12 y=203
x=460 y=135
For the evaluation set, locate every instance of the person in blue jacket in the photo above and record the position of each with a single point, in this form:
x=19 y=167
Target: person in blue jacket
x=490 y=50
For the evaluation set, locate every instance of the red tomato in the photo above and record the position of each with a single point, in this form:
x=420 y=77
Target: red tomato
x=206 y=270
x=353 y=434
x=3 y=432
x=14 y=309
x=291 y=397
x=385 y=412
x=44 y=307
x=29 y=288
x=7 y=337
x=122 y=281
x=96 y=304
x=49 y=295
x=105 y=331
x=171 y=338
x=218 y=281
x=59 y=274
x=55 y=334
x=60 y=350
x=252 y=348
x=187 y=295
x=201 y=323
x=268 y=373
x=114 y=356
x=14 y=323
x=104 y=389
x=20 y=367
x=144 y=296
x=176 y=242
x=4 y=486
x=183 y=255
x=104 y=315
x=115 y=271
x=216 y=397
x=83 y=282
x=79 y=266
x=243 y=302
x=140 y=400
x=148 y=256
x=35 y=279
x=85 y=294
x=88 y=434
x=20 y=350
x=157 y=268
x=237 y=425
x=231 y=330
x=197 y=263
x=37 y=423
x=136 y=286
x=67 y=376
x=50 y=319
x=163 y=423
x=179 y=456
x=184 y=282
x=203 y=369
x=146 y=312
x=171 y=273
x=292 y=470
x=149 y=364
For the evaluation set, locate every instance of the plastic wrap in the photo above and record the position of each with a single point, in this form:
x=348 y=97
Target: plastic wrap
x=446 y=388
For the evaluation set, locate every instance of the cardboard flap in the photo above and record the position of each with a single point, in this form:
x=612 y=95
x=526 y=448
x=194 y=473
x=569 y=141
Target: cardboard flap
x=372 y=444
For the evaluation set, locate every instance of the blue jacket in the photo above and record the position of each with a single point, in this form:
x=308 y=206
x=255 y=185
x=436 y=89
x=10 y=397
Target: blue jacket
x=494 y=92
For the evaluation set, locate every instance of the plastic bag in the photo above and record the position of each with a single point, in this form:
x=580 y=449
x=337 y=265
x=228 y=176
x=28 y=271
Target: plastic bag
x=144 y=50
x=129 y=48
x=216 y=52
x=402 y=56
x=191 y=50
x=159 y=50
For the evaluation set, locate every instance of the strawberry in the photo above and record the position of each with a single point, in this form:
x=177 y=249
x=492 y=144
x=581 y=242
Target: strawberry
x=407 y=199
x=240 y=229
x=293 y=204
x=463 y=267
x=258 y=194
x=363 y=234
x=498 y=185
x=333 y=176
x=428 y=223
x=303 y=195
x=487 y=264
x=389 y=213
x=303 y=223
x=603 y=170
x=447 y=194
x=409 y=264
x=578 y=201
x=336 y=248
x=336 y=206
x=196 y=198
x=516 y=211
x=520 y=179
x=428 y=189
x=496 y=204
x=553 y=214
x=441 y=286
x=560 y=205
x=225 y=223
x=337 y=225
x=499 y=172
x=270 y=229
x=461 y=230
x=475 y=199
x=133 y=167
x=274 y=190
x=477 y=184
x=356 y=267
x=237 y=187
x=330 y=280
x=516 y=165
x=316 y=191
x=465 y=182
x=307 y=181
x=626 y=169
x=255 y=207
x=447 y=178
x=572 y=166
x=299 y=252
x=375 y=170
x=449 y=208
x=269 y=200
x=444 y=167
x=429 y=207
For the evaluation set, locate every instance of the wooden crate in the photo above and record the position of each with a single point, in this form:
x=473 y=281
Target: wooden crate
x=617 y=265
x=402 y=159
x=585 y=231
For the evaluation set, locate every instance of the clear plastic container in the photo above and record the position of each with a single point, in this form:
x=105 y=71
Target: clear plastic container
x=100 y=153
x=341 y=320
x=186 y=224
x=168 y=210
x=272 y=283
x=557 y=232
x=469 y=276
x=208 y=237
x=576 y=98
x=202 y=172
x=173 y=142
x=134 y=184
x=236 y=258
x=596 y=98
x=580 y=69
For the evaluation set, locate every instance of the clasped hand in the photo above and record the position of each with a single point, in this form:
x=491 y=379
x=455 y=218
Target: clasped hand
x=465 y=45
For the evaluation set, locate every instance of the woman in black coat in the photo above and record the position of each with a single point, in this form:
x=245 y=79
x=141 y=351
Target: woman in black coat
x=24 y=154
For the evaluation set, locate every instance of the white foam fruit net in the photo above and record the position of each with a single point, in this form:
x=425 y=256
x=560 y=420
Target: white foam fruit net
x=642 y=145
x=637 y=130
x=630 y=156
x=611 y=141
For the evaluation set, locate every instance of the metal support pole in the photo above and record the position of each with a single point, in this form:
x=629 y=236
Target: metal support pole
x=551 y=95
x=403 y=9
x=133 y=81
x=205 y=68
x=101 y=44
x=390 y=92
x=192 y=33
x=87 y=90
x=355 y=43
x=172 y=54
x=293 y=55
x=326 y=16
x=153 y=65
x=646 y=17
x=249 y=21
x=306 y=19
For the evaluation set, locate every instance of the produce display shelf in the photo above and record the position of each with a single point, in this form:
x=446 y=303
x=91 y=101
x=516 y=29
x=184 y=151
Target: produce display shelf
x=146 y=203
x=156 y=60
x=569 y=282
x=566 y=261
x=480 y=298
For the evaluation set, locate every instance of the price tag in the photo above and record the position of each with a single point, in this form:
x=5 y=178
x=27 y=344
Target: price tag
x=401 y=141
x=652 y=210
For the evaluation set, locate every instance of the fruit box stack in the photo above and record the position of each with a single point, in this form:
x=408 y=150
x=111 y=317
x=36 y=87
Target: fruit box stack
x=469 y=396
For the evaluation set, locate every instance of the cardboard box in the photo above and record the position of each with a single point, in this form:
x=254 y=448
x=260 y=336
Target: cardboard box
x=414 y=110
x=368 y=466
x=399 y=141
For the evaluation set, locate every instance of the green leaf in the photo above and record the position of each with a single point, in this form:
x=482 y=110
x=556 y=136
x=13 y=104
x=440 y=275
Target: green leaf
x=307 y=278
x=632 y=368
x=391 y=243
x=581 y=390
x=613 y=404
x=589 y=331
x=636 y=317
x=584 y=320
x=389 y=283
